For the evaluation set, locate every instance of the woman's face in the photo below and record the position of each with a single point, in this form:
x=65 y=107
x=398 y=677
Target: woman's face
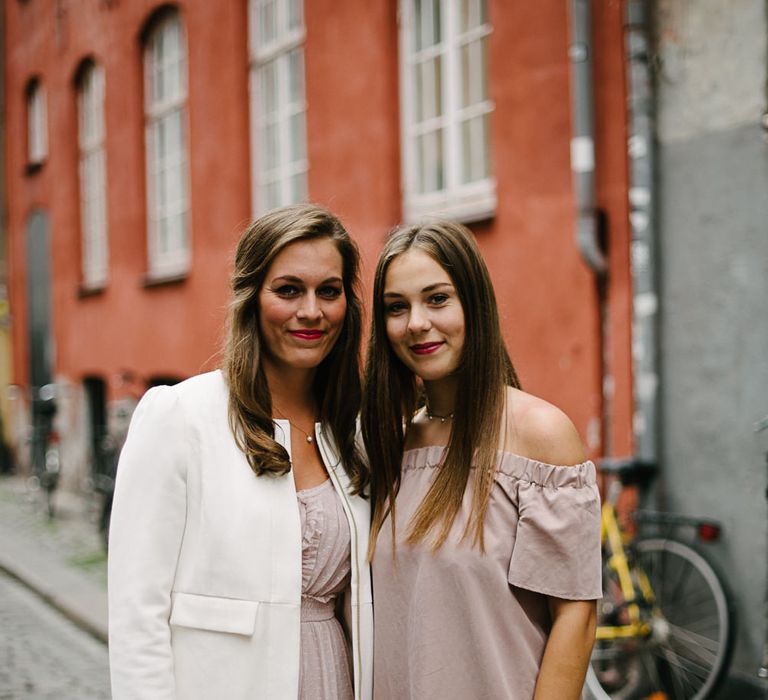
x=424 y=317
x=302 y=304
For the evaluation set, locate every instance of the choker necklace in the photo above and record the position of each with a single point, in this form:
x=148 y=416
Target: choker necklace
x=309 y=436
x=432 y=416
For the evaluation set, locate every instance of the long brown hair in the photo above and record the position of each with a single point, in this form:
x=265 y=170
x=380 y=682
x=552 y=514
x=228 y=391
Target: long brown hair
x=337 y=380
x=391 y=393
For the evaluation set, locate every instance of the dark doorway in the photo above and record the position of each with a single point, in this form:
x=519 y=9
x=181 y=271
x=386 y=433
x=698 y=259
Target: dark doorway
x=39 y=329
x=96 y=396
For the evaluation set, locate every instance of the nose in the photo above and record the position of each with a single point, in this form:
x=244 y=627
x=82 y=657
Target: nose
x=418 y=320
x=309 y=309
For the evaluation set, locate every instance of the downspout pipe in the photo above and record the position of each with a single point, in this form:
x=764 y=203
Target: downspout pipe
x=588 y=220
x=644 y=252
x=582 y=137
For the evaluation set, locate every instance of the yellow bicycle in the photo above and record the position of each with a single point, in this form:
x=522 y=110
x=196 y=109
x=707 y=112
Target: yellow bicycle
x=666 y=622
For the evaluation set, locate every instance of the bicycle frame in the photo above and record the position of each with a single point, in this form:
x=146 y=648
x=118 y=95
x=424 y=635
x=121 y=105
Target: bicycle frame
x=610 y=533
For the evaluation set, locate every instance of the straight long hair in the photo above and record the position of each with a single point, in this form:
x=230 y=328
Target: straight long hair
x=336 y=385
x=392 y=395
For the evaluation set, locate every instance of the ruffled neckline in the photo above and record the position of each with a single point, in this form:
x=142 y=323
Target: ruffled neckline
x=513 y=466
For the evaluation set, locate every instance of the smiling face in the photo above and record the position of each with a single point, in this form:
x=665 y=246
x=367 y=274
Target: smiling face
x=424 y=317
x=302 y=304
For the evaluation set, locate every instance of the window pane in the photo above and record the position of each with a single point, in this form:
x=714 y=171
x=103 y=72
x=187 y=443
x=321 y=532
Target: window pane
x=297 y=138
x=37 y=127
x=475 y=149
x=173 y=187
x=430 y=155
x=272 y=195
x=176 y=135
x=268 y=93
x=474 y=73
x=299 y=187
x=295 y=14
x=430 y=23
x=166 y=62
x=296 y=76
x=269 y=147
x=416 y=28
x=267 y=22
x=162 y=235
x=472 y=13
x=430 y=96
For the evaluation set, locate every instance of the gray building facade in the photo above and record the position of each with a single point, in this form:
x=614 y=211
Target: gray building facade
x=712 y=196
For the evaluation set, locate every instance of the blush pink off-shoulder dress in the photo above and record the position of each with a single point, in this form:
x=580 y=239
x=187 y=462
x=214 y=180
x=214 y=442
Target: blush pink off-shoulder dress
x=325 y=669
x=460 y=623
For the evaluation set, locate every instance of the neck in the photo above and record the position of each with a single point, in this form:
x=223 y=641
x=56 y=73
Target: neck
x=290 y=388
x=441 y=395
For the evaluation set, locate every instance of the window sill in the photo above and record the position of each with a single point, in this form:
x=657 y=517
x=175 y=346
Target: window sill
x=91 y=290
x=468 y=205
x=32 y=168
x=160 y=279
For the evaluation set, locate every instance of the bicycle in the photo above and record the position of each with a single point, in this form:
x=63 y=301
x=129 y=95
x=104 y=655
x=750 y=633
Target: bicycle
x=45 y=447
x=666 y=622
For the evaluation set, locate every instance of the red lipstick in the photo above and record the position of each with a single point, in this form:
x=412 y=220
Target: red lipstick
x=306 y=334
x=426 y=348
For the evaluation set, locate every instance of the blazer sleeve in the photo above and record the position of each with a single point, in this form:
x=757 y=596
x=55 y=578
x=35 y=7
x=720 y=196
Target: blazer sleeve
x=147 y=525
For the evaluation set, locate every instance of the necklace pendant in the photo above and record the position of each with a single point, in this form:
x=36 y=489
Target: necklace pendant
x=310 y=439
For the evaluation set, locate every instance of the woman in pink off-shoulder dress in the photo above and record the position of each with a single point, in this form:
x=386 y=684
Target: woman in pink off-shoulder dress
x=485 y=533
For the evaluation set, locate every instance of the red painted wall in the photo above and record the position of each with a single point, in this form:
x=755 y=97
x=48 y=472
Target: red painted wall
x=545 y=292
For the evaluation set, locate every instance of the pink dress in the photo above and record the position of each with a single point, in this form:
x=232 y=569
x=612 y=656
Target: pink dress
x=325 y=671
x=459 y=623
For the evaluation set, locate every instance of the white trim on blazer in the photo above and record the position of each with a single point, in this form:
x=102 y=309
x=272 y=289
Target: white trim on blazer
x=205 y=558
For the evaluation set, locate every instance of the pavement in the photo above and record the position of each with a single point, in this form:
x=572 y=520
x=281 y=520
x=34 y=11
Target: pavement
x=61 y=560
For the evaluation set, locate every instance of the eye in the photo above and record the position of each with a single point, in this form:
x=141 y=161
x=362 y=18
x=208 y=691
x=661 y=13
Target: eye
x=438 y=299
x=329 y=292
x=395 y=307
x=287 y=290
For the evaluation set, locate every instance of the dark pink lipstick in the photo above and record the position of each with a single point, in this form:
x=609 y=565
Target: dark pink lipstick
x=307 y=334
x=426 y=348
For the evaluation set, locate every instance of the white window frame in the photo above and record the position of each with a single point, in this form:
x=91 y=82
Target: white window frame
x=37 y=123
x=166 y=172
x=472 y=201
x=93 y=176
x=286 y=40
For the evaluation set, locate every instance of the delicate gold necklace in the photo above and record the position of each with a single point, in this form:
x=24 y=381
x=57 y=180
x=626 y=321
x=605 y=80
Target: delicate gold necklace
x=432 y=416
x=309 y=436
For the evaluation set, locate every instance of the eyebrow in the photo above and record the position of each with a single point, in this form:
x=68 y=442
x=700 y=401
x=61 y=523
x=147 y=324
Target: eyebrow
x=427 y=289
x=299 y=280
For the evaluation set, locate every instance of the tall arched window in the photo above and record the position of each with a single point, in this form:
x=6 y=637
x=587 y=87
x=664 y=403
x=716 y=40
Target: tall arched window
x=93 y=175
x=165 y=113
x=37 y=123
x=278 y=103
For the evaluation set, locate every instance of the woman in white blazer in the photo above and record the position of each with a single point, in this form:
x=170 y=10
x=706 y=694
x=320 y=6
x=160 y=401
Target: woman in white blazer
x=237 y=565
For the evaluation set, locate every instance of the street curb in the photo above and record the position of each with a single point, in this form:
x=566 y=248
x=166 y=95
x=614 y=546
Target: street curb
x=41 y=564
x=83 y=619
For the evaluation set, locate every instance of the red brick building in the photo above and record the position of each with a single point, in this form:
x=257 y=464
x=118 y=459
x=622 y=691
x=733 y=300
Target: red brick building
x=142 y=137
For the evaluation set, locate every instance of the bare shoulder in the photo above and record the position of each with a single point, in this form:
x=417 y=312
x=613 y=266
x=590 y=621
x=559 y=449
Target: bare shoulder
x=537 y=429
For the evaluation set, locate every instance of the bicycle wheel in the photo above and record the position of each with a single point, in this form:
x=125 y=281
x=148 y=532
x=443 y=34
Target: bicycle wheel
x=692 y=630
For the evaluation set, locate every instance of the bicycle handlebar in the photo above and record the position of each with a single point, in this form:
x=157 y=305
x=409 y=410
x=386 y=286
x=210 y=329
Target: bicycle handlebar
x=629 y=470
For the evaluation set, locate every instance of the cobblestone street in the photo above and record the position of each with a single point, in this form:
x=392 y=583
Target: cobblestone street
x=43 y=656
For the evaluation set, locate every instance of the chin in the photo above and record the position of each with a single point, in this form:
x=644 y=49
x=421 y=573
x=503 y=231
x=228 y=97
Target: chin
x=305 y=361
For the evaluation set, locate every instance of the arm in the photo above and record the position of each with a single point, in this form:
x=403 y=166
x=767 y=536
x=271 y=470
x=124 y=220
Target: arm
x=566 y=655
x=148 y=519
x=549 y=436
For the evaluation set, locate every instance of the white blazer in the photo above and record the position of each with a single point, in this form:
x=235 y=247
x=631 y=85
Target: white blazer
x=205 y=558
